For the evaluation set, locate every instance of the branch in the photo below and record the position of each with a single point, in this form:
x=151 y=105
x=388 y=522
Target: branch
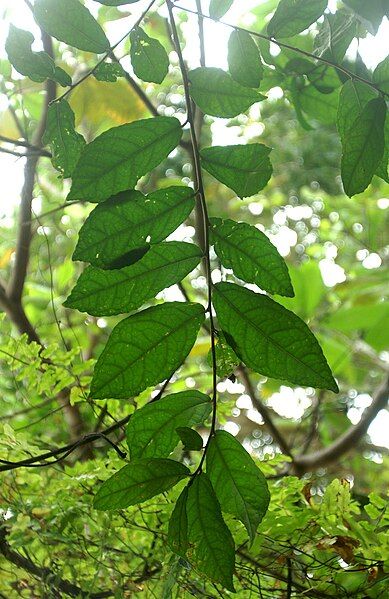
x=24 y=144
x=349 y=439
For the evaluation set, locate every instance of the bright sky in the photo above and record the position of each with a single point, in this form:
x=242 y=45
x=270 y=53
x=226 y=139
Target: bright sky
x=372 y=50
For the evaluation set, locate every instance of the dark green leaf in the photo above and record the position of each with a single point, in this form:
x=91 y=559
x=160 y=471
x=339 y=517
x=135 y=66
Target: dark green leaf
x=363 y=147
x=270 y=339
x=239 y=484
x=117 y=159
x=137 y=482
x=148 y=57
x=381 y=75
x=353 y=98
x=152 y=432
x=145 y=349
x=370 y=13
x=107 y=292
x=129 y=221
x=190 y=438
x=211 y=546
x=294 y=16
x=217 y=94
x=177 y=536
x=109 y=71
x=244 y=59
x=218 y=8
x=244 y=168
x=335 y=35
x=226 y=358
x=251 y=255
x=317 y=105
x=71 y=22
x=38 y=66
x=65 y=143
x=383 y=167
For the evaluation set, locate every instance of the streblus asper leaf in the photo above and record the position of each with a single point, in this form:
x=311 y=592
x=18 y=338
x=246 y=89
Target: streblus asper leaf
x=129 y=221
x=145 y=349
x=148 y=57
x=138 y=481
x=251 y=255
x=152 y=432
x=270 y=339
x=381 y=75
x=177 y=536
x=191 y=439
x=244 y=168
x=106 y=292
x=119 y=157
x=218 y=8
x=354 y=96
x=244 y=59
x=65 y=143
x=293 y=16
x=71 y=22
x=239 y=484
x=217 y=94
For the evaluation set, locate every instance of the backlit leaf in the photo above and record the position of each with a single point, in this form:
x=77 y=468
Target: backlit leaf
x=383 y=168
x=244 y=168
x=317 y=105
x=217 y=94
x=71 y=22
x=116 y=2
x=370 y=13
x=244 y=59
x=270 y=339
x=108 y=71
x=137 y=482
x=218 y=8
x=106 y=292
x=148 y=57
x=190 y=438
x=381 y=75
x=117 y=159
x=65 y=143
x=131 y=220
x=239 y=484
x=353 y=98
x=177 y=537
x=145 y=349
x=294 y=16
x=335 y=35
x=152 y=432
x=251 y=255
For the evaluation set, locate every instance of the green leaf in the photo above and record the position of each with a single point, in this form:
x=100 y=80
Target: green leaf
x=370 y=13
x=148 y=57
x=270 y=339
x=353 y=98
x=145 y=349
x=65 y=143
x=190 y=438
x=152 y=432
x=381 y=75
x=217 y=94
x=309 y=290
x=335 y=35
x=363 y=147
x=38 y=66
x=239 y=484
x=137 y=482
x=226 y=358
x=322 y=107
x=177 y=536
x=383 y=168
x=218 y=8
x=70 y=22
x=117 y=159
x=294 y=16
x=107 y=292
x=211 y=546
x=251 y=255
x=109 y=71
x=244 y=59
x=131 y=220
x=116 y=2
x=244 y=168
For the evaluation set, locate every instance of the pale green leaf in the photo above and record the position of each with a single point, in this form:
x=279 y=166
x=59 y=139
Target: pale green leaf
x=317 y=105
x=71 y=22
x=152 y=432
x=137 y=482
x=148 y=57
x=65 y=143
x=251 y=255
x=270 y=339
x=294 y=16
x=335 y=35
x=218 y=8
x=244 y=168
x=239 y=484
x=381 y=75
x=145 y=349
x=217 y=94
x=117 y=159
x=353 y=98
x=244 y=59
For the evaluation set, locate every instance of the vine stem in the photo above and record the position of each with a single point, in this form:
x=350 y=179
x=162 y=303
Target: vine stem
x=286 y=46
x=204 y=220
